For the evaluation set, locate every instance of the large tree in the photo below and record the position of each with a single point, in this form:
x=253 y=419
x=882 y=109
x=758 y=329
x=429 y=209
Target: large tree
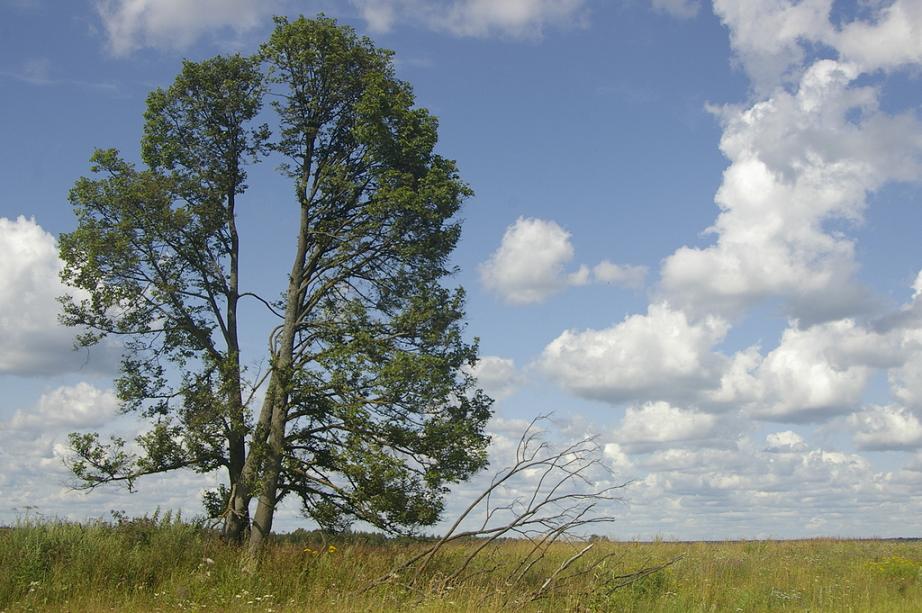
x=368 y=412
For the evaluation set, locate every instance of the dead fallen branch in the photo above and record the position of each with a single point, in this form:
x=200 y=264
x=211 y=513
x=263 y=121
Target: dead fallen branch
x=566 y=493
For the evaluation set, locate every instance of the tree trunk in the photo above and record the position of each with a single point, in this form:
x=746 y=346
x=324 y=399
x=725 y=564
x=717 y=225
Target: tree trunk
x=237 y=518
x=277 y=398
x=265 y=509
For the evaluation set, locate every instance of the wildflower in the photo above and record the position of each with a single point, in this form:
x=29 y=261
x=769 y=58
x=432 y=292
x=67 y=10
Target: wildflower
x=331 y=549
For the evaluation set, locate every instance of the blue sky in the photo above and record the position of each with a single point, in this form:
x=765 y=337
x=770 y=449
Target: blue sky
x=694 y=235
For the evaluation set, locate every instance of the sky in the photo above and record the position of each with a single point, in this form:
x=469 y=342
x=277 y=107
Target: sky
x=694 y=236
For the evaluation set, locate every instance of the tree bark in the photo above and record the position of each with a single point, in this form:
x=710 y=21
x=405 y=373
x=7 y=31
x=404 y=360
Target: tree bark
x=278 y=391
x=236 y=519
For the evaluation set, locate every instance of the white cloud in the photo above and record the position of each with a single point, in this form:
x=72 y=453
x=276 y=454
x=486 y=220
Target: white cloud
x=784 y=442
x=497 y=376
x=626 y=275
x=529 y=265
x=478 y=18
x=771 y=39
x=798 y=161
x=78 y=406
x=683 y=9
x=805 y=377
x=615 y=454
x=903 y=328
x=767 y=36
x=812 y=374
x=660 y=355
x=747 y=491
x=656 y=423
x=906 y=380
x=823 y=370
x=893 y=39
x=886 y=427
x=34 y=451
x=33 y=340
x=176 y=24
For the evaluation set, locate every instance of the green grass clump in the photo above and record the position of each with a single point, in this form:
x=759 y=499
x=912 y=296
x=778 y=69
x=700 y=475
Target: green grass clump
x=161 y=563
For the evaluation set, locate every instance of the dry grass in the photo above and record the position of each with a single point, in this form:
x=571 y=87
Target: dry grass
x=159 y=564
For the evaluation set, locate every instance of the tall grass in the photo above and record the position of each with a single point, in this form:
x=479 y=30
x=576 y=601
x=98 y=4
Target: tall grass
x=162 y=563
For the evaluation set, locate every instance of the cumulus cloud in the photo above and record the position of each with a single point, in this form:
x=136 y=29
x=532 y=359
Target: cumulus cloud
x=799 y=160
x=779 y=488
x=886 y=427
x=784 y=442
x=615 y=454
x=656 y=423
x=660 y=355
x=906 y=380
x=800 y=380
x=76 y=406
x=771 y=40
x=497 y=376
x=626 y=275
x=812 y=374
x=33 y=341
x=176 y=24
x=478 y=18
x=36 y=477
x=34 y=451
x=823 y=370
x=529 y=264
x=767 y=37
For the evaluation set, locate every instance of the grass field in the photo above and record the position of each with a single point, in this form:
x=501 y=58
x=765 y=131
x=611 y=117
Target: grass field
x=160 y=564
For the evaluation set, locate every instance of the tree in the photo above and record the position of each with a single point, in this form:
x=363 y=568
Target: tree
x=368 y=411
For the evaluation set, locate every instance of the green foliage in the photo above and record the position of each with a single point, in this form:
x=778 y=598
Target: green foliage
x=198 y=129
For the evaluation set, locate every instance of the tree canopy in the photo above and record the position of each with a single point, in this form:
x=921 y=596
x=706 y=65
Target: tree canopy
x=369 y=411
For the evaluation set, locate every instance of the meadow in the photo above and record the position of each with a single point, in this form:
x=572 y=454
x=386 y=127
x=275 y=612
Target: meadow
x=161 y=563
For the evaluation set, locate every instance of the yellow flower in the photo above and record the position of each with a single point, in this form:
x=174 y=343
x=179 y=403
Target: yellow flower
x=331 y=549
x=310 y=551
